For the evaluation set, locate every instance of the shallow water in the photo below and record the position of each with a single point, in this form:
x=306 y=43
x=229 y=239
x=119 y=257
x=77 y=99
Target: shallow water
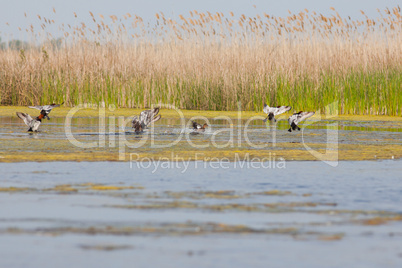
x=297 y=214
x=230 y=213
x=383 y=138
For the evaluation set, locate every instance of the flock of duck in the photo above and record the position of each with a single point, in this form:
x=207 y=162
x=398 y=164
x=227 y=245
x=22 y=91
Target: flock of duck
x=293 y=120
x=148 y=117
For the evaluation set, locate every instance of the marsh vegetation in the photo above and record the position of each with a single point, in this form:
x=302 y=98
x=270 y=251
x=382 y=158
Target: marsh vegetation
x=212 y=61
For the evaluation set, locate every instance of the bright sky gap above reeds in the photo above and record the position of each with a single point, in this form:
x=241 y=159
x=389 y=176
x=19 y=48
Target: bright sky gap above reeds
x=17 y=16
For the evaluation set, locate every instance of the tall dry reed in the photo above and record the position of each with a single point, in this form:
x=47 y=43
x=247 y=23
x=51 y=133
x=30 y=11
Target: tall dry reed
x=213 y=61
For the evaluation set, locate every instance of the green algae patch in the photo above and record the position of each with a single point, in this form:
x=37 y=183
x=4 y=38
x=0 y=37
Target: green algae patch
x=223 y=194
x=62 y=188
x=381 y=220
x=75 y=188
x=330 y=237
x=50 y=157
x=283 y=152
x=173 y=229
x=14 y=189
x=104 y=188
x=263 y=207
x=365 y=118
x=105 y=247
x=111 y=187
x=275 y=192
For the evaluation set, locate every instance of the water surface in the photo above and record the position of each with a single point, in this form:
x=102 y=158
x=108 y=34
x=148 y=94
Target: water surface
x=302 y=214
x=352 y=140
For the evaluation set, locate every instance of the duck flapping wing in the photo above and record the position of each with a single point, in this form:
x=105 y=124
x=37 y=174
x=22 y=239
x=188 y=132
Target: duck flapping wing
x=33 y=124
x=281 y=109
x=26 y=117
x=146 y=118
x=272 y=111
x=46 y=108
x=304 y=115
x=149 y=116
x=300 y=116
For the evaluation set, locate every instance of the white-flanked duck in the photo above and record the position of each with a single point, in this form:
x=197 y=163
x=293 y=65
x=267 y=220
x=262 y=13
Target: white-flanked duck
x=296 y=118
x=45 y=108
x=272 y=111
x=198 y=127
x=32 y=123
x=146 y=118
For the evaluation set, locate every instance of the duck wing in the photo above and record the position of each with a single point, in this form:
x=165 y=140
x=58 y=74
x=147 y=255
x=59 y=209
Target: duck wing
x=281 y=109
x=149 y=116
x=266 y=109
x=50 y=107
x=26 y=117
x=276 y=110
x=292 y=118
x=136 y=124
x=38 y=107
x=156 y=117
x=304 y=115
x=47 y=108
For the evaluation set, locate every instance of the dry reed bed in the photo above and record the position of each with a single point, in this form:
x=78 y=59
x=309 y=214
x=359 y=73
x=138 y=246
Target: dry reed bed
x=213 y=61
